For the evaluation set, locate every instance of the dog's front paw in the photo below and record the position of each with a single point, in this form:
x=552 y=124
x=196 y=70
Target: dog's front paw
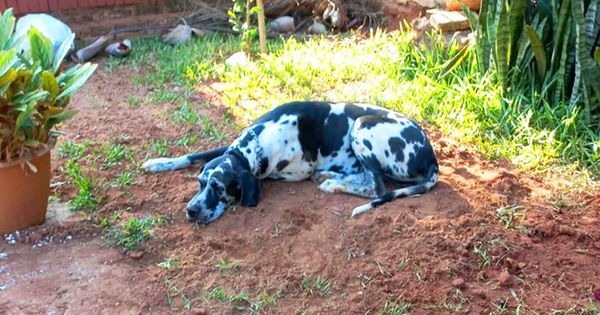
x=160 y=165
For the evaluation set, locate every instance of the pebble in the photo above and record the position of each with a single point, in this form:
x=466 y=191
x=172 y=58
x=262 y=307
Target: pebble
x=459 y=283
x=136 y=254
x=504 y=278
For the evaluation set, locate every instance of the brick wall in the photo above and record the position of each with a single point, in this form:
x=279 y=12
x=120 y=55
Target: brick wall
x=29 y=6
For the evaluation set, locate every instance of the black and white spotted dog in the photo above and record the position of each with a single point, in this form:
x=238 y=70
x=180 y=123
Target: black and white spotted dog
x=347 y=148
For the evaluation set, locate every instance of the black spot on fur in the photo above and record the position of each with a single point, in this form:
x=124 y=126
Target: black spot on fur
x=412 y=134
x=336 y=168
x=356 y=165
x=294 y=123
x=258 y=129
x=387 y=153
x=334 y=154
x=354 y=111
x=336 y=129
x=286 y=142
x=367 y=144
x=369 y=122
x=285 y=122
x=248 y=151
x=420 y=164
x=282 y=164
x=397 y=146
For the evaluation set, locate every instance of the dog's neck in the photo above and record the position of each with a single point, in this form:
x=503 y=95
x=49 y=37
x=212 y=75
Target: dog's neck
x=252 y=161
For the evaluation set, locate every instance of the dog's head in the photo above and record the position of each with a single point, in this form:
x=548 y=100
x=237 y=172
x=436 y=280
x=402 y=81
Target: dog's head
x=223 y=181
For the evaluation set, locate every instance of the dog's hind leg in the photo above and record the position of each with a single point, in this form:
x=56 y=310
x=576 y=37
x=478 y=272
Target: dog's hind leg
x=362 y=184
x=184 y=161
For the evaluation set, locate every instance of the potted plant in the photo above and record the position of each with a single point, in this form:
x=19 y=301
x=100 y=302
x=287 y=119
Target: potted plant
x=34 y=93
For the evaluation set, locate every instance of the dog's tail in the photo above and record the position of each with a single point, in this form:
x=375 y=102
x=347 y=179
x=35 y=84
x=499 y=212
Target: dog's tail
x=171 y=164
x=425 y=185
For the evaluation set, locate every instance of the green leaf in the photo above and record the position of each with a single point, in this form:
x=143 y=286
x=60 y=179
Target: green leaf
x=50 y=84
x=41 y=49
x=538 y=50
x=597 y=56
x=7 y=60
x=456 y=61
x=62 y=51
x=7 y=25
x=58 y=118
x=77 y=79
x=7 y=79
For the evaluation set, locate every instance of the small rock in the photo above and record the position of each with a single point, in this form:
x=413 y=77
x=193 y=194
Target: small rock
x=459 y=283
x=136 y=254
x=239 y=59
x=198 y=311
x=504 y=278
x=597 y=245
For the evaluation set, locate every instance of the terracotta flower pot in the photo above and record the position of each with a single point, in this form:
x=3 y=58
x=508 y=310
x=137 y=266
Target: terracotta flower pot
x=454 y=5
x=23 y=193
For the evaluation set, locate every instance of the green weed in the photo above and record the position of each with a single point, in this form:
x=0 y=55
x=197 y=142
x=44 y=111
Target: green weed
x=85 y=198
x=134 y=231
x=224 y=265
x=395 y=308
x=217 y=294
x=170 y=263
x=72 y=150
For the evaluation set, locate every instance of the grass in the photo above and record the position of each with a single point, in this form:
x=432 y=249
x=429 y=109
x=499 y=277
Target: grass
x=241 y=301
x=395 y=308
x=226 y=266
x=388 y=70
x=507 y=215
x=130 y=234
x=319 y=285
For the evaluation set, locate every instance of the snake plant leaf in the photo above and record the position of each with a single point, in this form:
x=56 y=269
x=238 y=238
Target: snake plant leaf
x=62 y=52
x=589 y=68
x=503 y=46
x=58 y=118
x=77 y=79
x=41 y=49
x=516 y=21
x=538 y=50
x=7 y=25
x=559 y=28
x=590 y=23
x=50 y=85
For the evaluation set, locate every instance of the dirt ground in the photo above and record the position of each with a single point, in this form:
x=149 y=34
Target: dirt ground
x=297 y=252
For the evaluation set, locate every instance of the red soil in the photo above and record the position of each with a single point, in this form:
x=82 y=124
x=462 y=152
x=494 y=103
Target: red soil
x=422 y=250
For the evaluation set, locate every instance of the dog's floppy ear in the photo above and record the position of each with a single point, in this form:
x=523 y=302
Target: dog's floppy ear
x=250 y=187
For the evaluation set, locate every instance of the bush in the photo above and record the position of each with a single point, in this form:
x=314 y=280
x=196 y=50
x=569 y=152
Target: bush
x=34 y=91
